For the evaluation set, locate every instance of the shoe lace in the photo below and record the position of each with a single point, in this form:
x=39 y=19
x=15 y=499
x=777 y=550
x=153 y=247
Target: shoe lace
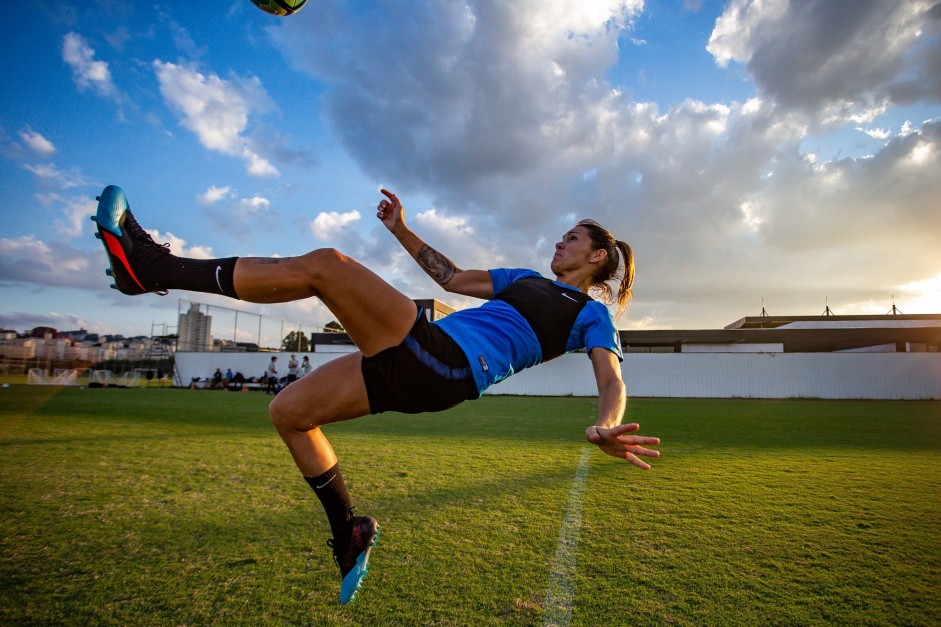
x=143 y=239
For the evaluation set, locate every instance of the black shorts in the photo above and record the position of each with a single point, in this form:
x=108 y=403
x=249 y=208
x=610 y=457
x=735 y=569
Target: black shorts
x=427 y=372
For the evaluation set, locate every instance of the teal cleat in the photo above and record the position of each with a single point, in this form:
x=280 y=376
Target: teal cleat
x=353 y=559
x=130 y=249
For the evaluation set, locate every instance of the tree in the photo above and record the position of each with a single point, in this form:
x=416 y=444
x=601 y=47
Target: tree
x=334 y=327
x=295 y=342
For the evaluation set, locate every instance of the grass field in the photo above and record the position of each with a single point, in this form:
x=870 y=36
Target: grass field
x=183 y=507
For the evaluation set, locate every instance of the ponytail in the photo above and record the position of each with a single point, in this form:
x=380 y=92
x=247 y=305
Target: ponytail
x=618 y=267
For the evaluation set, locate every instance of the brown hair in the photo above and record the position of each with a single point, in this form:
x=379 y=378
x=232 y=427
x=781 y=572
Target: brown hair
x=617 y=251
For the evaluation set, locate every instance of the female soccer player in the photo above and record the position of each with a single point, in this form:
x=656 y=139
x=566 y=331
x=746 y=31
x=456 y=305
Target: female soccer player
x=405 y=363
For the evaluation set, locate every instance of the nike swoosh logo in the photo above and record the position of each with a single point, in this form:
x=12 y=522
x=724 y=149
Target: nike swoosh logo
x=219 y=283
x=326 y=483
x=571 y=298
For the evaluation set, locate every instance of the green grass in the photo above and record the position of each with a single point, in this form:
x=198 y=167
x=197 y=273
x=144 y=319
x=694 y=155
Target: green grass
x=183 y=507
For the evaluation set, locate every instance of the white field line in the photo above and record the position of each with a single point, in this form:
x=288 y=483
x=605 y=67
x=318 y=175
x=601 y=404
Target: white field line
x=558 y=605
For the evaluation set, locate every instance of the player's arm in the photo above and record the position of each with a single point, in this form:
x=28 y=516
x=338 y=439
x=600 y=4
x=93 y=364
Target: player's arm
x=475 y=283
x=608 y=432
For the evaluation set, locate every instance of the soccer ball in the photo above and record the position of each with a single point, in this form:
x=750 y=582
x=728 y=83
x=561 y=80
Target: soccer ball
x=280 y=7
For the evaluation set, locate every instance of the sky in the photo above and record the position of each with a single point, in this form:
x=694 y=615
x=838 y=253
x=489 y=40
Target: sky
x=754 y=153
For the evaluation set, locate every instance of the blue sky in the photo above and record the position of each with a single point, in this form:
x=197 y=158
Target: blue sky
x=775 y=153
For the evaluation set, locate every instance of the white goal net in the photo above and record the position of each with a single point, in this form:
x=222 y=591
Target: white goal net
x=130 y=379
x=37 y=376
x=102 y=378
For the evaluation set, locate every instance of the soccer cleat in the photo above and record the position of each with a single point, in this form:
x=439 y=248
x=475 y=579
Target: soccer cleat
x=130 y=249
x=353 y=557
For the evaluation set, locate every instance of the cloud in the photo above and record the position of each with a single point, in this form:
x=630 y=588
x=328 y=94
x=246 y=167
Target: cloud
x=22 y=321
x=875 y=133
x=49 y=175
x=215 y=194
x=178 y=245
x=37 y=143
x=841 y=58
x=328 y=224
x=29 y=260
x=75 y=212
x=217 y=111
x=87 y=72
x=243 y=217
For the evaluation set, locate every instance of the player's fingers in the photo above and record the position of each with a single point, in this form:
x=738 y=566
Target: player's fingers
x=625 y=428
x=639 y=463
x=639 y=439
x=390 y=196
x=646 y=452
x=591 y=433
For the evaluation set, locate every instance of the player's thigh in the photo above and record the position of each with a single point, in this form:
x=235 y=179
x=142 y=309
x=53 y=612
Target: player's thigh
x=333 y=392
x=374 y=314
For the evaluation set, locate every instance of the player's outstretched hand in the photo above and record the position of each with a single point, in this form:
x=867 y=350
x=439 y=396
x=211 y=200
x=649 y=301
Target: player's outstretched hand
x=390 y=210
x=617 y=443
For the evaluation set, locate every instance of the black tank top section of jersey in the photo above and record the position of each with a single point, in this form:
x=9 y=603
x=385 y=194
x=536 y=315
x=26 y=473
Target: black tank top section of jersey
x=549 y=309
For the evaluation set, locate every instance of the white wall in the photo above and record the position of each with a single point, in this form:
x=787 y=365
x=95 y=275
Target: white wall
x=691 y=375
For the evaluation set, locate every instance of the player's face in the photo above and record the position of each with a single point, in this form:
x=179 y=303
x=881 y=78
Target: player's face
x=573 y=252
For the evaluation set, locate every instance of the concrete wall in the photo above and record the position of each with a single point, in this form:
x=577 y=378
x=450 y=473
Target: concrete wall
x=691 y=375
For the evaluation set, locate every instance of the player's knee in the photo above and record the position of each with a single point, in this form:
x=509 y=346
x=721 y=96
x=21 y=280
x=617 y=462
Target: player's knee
x=325 y=262
x=285 y=415
x=281 y=414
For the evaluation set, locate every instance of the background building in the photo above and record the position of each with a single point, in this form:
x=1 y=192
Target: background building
x=195 y=329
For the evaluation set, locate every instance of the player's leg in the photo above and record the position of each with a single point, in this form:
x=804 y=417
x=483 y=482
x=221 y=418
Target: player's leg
x=332 y=392
x=374 y=314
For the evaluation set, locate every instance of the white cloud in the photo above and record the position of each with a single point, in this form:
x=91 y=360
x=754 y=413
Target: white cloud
x=215 y=194
x=87 y=72
x=875 y=133
x=178 y=245
x=241 y=218
x=254 y=207
x=328 y=224
x=834 y=61
x=27 y=259
x=37 y=143
x=75 y=213
x=217 y=111
x=49 y=175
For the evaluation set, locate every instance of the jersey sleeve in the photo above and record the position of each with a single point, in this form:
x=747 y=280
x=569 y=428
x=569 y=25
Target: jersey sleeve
x=599 y=330
x=502 y=277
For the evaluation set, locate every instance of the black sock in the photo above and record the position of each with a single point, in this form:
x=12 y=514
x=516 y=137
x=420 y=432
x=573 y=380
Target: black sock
x=331 y=490
x=210 y=276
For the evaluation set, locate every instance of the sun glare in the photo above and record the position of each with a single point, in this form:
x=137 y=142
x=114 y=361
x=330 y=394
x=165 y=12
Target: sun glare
x=921 y=296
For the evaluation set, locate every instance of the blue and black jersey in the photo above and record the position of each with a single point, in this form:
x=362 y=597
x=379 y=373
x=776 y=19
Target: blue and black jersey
x=529 y=320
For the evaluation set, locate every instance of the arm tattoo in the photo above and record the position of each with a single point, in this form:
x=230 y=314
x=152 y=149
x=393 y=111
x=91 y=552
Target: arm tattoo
x=438 y=267
x=267 y=261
